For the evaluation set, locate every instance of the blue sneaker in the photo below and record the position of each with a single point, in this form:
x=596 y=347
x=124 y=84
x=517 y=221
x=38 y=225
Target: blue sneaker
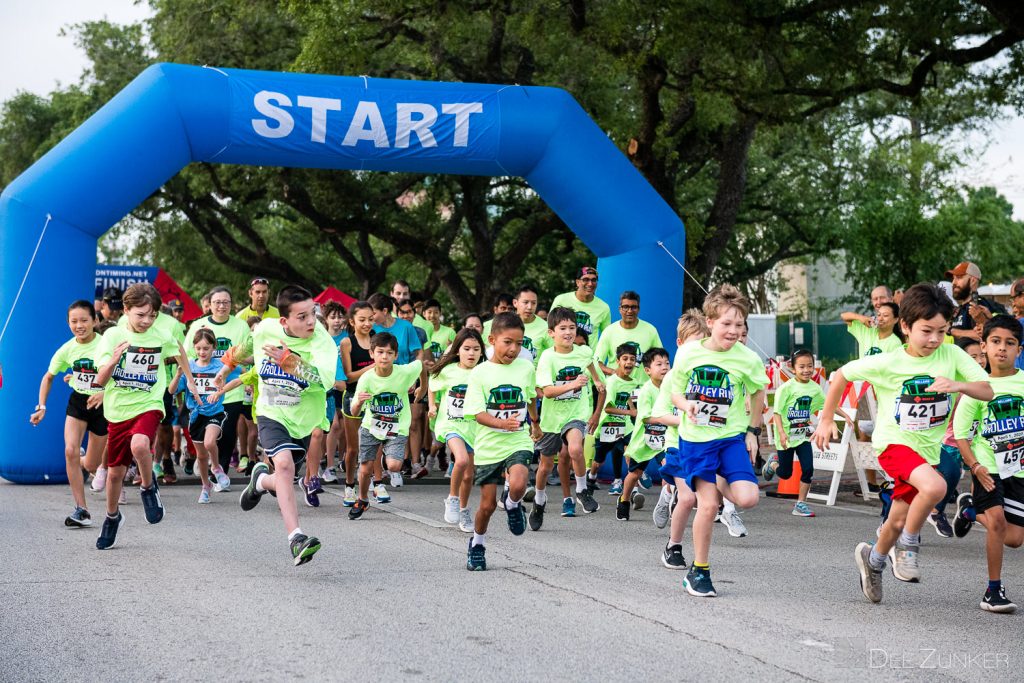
x=151 y=503
x=448 y=472
x=476 y=560
x=698 y=583
x=768 y=472
x=616 y=488
x=568 y=507
x=645 y=481
x=108 y=532
x=516 y=516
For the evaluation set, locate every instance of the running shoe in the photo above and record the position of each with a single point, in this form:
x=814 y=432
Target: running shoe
x=802 y=509
x=99 y=480
x=466 y=521
x=637 y=499
x=316 y=484
x=170 y=476
x=997 y=602
x=768 y=471
x=451 y=509
x=568 y=507
x=233 y=462
x=672 y=557
x=132 y=475
x=941 y=524
x=476 y=557
x=250 y=497
x=123 y=498
x=108 y=532
x=553 y=479
x=645 y=481
x=396 y=480
x=698 y=583
x=309 y=490
x=662 y=509
x=158 y=469
x=904 y=562
x=964 y=519
x=190 y=466
x=80 y=518
x=616 y=488
x=381 y=494
x=622 y=510
x=350 y=497
x=419 y=471
x=357 y=510
x=204 y=496
x=536 y=516
x=243 y=464
x=151 y=503
x=303 y=548
x=448 y=472
x=530 y=495
x=731 y=520
x=329 y=476
x=223 y=481
x=516 y=516
x=432 y=463
x=870 y=579
x=592 y=484
x=586 y=499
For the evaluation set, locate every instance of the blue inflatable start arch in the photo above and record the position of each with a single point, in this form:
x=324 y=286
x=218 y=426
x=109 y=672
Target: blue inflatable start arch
x=171 y=115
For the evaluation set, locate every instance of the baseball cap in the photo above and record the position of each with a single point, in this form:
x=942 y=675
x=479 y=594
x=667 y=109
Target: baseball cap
x=176 y=304
x=112 y=297
x=964 y=268
x=586 y=270
x=1017 y=288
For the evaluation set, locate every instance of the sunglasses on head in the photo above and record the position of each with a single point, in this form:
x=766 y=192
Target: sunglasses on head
x=259 y=281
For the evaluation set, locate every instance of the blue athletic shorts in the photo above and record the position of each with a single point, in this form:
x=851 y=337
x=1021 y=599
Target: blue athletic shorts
x=706 y=459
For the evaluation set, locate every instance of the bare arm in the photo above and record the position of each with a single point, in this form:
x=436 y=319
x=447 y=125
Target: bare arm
x=44 y=392
x=826 y=419
x=850 y=317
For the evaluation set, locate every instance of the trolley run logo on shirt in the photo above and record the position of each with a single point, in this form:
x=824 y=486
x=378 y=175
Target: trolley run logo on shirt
x=436 y=350
x=387 y=404
x=918 y=409
x=565 y=375
x=799 y=416
x=1004 y=431
x=279 y=388
x=873 y=351
x=710 y=387
x=621 y=402
x=137 y=368
x=584 y=323
x=221 y=347
x=528 y=345
x=505 y=402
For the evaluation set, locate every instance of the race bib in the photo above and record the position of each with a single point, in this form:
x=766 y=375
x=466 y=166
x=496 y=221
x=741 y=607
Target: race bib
x=383 y=428
x=204 y=382
x=654 y=436
x=137 y=369
x=612 y=432
x=82 y=381
x=506 y=402
x=567 y=375
x=1010 y=457
x=281 y=392
x=1004 y=430
x=711 y=414
x=919 y=413
x=455 y=405
x=710 y=388
x=247 y=395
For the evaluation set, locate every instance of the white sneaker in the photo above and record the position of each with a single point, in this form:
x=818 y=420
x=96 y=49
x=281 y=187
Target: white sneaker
x=466 y=521
x=204 y=497
x=99 y=480
x=731 y=520
x=350 y=497
x=223 y=482
x=661 y=513
x=381 y=494
x=329 y=476
x=396 y=480
x=451 y=509
x=431 y=463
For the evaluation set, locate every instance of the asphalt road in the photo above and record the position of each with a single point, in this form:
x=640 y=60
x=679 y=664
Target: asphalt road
x=211 y=592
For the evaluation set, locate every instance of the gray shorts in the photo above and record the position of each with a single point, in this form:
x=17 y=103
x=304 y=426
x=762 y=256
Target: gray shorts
x=394 y=448
x=275 y=439
x=551 y=443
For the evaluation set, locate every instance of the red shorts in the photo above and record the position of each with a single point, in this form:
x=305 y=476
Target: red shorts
x=899 y=461
x=119 y=436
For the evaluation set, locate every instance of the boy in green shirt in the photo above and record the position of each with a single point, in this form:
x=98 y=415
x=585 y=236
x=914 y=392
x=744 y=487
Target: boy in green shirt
x=566 y=415
x=616 y=426
x=535 y=335
x=296 y=360
x=132 y=359
x=990 y=437
x=649 y=439
x=439 y=337
x=385 y=426
x=499 y=395
x=710 y=381
x=914 y=387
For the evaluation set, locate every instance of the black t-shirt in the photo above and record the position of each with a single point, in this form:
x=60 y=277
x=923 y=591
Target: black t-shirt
x=962 y=319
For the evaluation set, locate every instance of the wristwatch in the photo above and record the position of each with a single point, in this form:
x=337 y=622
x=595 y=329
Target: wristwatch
x=756 y=431
x=40 y=407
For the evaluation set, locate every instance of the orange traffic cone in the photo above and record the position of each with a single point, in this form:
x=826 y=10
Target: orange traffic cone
x=789 y=488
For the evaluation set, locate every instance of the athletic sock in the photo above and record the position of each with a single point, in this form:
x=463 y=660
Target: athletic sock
x=511 y=504
x=259 y=481
x=478 y=539
x=909 y=539
x=876 y=560
x=113 y=516
x=994 y=586
x=540 y=497
x=295 y=532
x=581 y=484
x=672 y=542
x=705 y=567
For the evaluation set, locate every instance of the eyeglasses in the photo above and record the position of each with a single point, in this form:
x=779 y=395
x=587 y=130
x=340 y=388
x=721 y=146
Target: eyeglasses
x=588 y=279
x=226 y=302
x=259 y=281
x=629 y=307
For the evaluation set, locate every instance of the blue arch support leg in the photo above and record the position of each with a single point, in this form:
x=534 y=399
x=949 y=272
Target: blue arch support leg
x=171 y=115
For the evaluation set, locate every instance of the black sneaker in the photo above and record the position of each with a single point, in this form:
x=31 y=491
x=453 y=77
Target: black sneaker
x=108 y=533
x=586 y=499
x=79 y=519
x=592 y=484
x=357 y=510
x=536 y=517
x=516 y=516
x=622 y=510
x=303 y=548
x=190 y=466
x=941 y=524
x=962 y=523
x=250 y=497
x=476 y=560
x=151 y=502
x=698 y=583
x=997 y=602
x=673 y=558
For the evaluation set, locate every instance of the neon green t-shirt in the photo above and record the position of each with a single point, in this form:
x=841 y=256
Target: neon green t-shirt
x=716 y=380
x=999 y=443
x=450 y=388
x=591 y=316
x=81 y=359
x=795 y=402
x=386 y=413
x=230 y=333
x=647 y=440
x=868 y=341
x=642 y=337
x=663 y=406
x=907 y=414
x=139 y=381
x=618 y=395
x=248 y=312
x=502 y=391
x=299 y=403
x=440 y=339
x=167 y=325
x=557 y=369
x=536 y=338
x=422 y=323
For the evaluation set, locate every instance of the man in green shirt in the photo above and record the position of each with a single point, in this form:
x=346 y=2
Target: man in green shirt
x=259 y=298
x=629 y=330
x=592 y=314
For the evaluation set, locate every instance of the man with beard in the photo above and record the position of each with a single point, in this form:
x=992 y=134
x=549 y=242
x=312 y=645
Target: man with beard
x=973 y=310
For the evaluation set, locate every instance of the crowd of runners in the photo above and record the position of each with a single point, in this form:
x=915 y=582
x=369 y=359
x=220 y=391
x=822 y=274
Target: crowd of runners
x=298 y=395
